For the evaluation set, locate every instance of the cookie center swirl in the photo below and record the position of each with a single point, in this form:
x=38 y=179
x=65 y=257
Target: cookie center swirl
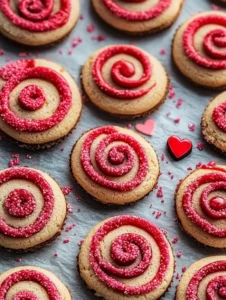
x=214 y=42
x=21 y=203
x=216 y=287
x=25 y=295
x=127 y=249
x=144 y=15
x=33 y=276
x=122 y=73
x=219 y=116
x=118 y=161
x=32 y=97
x=37 y=15
x=214 y=208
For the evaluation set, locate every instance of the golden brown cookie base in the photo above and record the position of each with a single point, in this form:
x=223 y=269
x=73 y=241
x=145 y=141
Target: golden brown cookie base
x=99 y=297
x=108 y=204
x=180 y=222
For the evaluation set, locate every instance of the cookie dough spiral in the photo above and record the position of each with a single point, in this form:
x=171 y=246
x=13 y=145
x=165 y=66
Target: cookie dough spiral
x=149 y=14
x=201 y=202
x=122 y=73
x=32 y=209
x=21 y=203
x=128 y=253
x=115 y=156
x=205 y=279
x=37 y=15
x=31 y=283
x=32 y=98
x=214 y=57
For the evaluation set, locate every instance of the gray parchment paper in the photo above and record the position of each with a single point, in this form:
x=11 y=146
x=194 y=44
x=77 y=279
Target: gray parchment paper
x=87 y=212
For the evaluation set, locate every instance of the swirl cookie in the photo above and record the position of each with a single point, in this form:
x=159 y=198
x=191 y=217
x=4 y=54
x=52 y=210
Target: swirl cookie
x=138 y=16
x=114 y=165
x=204 y=279
x=201 y=205
x=127 y=258
x=32 y=209
x=32 y=283
x=214 y=124
x=39 y=103
x=124 y=81
x=199 y=49
x=37 y=22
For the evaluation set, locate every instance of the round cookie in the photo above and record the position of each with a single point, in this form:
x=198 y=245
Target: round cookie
x=126 y=258
x=204 y=279
x=199 y=49
x=114 y=165
x=36 y=22
x=213 y=123
x=40 y=103
x=140 y=16
x=124 y=81
x=32 y=209
x=201 y=205
x=32 y=283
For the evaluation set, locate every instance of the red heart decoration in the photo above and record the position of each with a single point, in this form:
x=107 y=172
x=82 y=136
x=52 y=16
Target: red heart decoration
x=147 y=128
x=179 y=148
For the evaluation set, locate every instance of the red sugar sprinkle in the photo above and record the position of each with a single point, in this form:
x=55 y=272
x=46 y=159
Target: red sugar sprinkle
x=18 y=259
x=179 y=254
x=177 y=276
x=90 y=28
x=70 y=227
x=55 y=254
x=69 y=208
x=200 y=146
x=2 y=52
x=215 y=7
x=15 y=161
x=28 y=156
x=159 y=193
x=183 y=269
x=177 y=120
x=199 y=164
x=175 y=240
x=179 y=103
x=66 y=241
x=189 y=168
x=163 y=52
x=191 y=127
x=162 y=157
x=66 y=190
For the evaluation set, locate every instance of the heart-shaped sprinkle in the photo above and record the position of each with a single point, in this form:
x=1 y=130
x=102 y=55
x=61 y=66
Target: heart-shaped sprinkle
x=147 y=128
x=179 y=148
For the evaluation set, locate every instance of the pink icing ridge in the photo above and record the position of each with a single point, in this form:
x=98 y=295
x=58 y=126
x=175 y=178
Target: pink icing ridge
x=46 y=213
x=120 y=159
x=122 y=73
x=19 y=71
x=36 y=15
x=125 y=250
x=149 y=14
x=216 y=286
x=29 y=275
x=213 y=40
x=219 y=116
x=214 y=208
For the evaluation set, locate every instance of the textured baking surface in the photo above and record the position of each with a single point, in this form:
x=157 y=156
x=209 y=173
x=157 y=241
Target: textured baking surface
x=56 y=162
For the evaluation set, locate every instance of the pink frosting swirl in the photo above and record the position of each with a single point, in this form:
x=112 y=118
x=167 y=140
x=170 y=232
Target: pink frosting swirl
x=33 y=276
x=216 y=286
x=214 y=41
x=32 y=97
x=219 y=116
x=214 y=208
x=37 y=15
x=145 y=15
x=122 y=73
x=118 y=161
x=21 y=203
x=125 y=250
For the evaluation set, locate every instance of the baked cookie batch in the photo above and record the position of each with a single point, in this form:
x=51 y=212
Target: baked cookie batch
x=124 y=257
